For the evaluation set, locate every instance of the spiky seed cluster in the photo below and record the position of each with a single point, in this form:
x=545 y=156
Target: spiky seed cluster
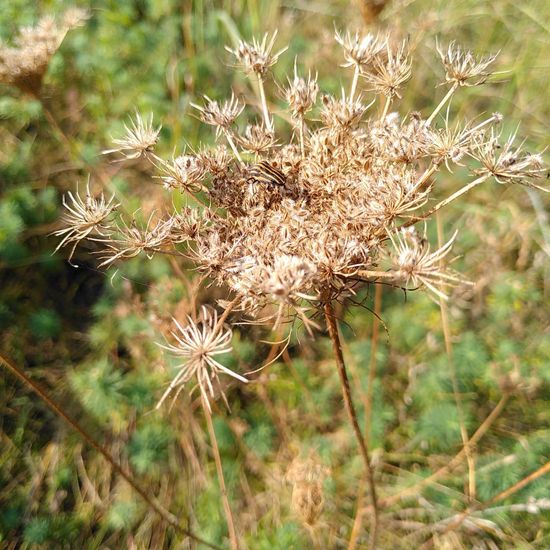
x=291 y=226
x=256 y=56
x=307 y=478
x=360 y=50
x=24 y=64
x=140 y=138
x=219 y=115
x=199 y=343
x=185 y=172
x=301 y=94
x=257 y=139
x=463 y=67
x=417 y=265
x=506 y=162
x=389 y=73
x=84 y=218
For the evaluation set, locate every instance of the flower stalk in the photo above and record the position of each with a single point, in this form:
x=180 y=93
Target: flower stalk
x=352 y=415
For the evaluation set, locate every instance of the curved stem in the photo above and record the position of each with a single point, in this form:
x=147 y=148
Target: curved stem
x=302 y=132
x=218 y=460
x=497 y=498
x=151 y=501
x=352 y=415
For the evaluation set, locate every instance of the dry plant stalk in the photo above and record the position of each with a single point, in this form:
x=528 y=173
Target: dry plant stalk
x=288 y=227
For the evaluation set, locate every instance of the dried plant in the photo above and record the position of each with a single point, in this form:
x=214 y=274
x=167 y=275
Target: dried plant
x=24 y=64
x=291 y=226
x=199 y=344
x=307 y=478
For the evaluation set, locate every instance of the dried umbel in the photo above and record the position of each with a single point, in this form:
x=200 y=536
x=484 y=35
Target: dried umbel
x=199 y=343
x=85 y=218
x=140 y=139
x=288 y=226
x=24 y=64
x=307 y=478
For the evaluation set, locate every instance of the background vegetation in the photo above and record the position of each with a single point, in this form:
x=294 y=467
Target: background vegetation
x=88 y=336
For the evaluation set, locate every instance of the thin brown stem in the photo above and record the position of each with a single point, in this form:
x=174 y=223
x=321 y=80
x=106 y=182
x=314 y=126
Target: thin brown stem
x=164 y=514
x=302 y=132
x=225 y=314
x=217 y=459
x=352 y=415
x=425 y=176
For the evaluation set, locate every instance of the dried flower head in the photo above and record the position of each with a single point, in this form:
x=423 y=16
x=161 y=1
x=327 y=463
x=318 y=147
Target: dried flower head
x=257 y=56
x=25 y=64
x=462 y=67
x=360 y=51
x=140 y=139
x=342 y=113
x=257 y=139
x=185 y=172
x=199 y=343
x=130 y=240
x=506 y=162
x=388 y=74
x=416 y=265
x=301 y=94
x=84 y=218
x=307 y=478
x=221 y=116
x=311 y=220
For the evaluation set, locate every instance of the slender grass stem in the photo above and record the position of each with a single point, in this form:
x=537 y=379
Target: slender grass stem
x=498 y=497
x=352 y=415
x=450 y=466
x=217 y=459
x=164 y=514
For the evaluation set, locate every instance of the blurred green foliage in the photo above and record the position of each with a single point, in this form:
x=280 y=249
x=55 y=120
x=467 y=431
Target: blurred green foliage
x=88 y=336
